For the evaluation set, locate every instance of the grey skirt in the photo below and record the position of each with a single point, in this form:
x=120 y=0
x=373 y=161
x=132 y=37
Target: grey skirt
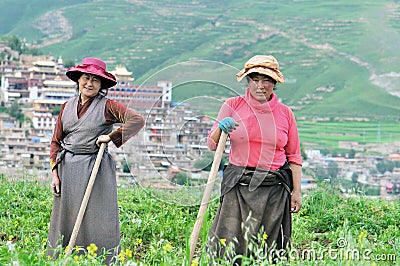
x=100 y=224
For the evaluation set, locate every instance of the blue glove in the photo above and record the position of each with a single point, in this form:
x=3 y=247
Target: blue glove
x=227 y=124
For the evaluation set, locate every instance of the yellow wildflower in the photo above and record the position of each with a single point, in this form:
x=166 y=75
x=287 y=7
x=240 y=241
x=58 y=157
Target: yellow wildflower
x=128 y=253
x=363 y=234
x=194 y=263
x=265 y=236
x=16 y=223
x=138 y=241
x=121 y=256
x=66 y=250
x=92 y=249
x=93 y=246
x=167 y=247
x=222 y=240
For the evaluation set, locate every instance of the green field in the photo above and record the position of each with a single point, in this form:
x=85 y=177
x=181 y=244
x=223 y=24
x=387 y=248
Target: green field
x=329 y=134
x=155 y=232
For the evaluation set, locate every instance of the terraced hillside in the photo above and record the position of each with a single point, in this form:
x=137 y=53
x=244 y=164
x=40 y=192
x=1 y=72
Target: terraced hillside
x=339 y=57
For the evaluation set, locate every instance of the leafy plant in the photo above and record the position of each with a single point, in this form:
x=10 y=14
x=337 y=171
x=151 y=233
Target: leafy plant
x=154 y=232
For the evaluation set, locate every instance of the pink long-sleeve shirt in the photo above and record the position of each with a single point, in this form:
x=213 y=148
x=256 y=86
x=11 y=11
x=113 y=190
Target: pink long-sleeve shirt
x=267 y=134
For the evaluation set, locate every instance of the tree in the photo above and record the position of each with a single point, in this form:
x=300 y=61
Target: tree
x=35 y=51
x=333 y=170
x=182 y=178
x=205 y=163
x=373 y=171
x=354 y=178
x=20 y=46
x=16 y=112
x=69 y=63
x=390 y=166
x=16 y=44
x=303 y=153
x=321 y=173
x=384 y=166
x=381 y=167
x=125 y=167
x=352 y=154
x=56 y=110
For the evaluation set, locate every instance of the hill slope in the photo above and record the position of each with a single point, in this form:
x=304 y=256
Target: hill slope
x=338 y=57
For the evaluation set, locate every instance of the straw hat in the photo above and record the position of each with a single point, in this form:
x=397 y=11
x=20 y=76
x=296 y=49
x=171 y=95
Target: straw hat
x=92 y=66
x=263 y=64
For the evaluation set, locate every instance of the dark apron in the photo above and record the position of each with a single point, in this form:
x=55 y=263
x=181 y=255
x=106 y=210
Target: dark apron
x=254 y=203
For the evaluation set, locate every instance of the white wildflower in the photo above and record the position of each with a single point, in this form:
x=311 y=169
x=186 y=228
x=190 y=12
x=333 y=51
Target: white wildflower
x=138 y=221
x=10 y=245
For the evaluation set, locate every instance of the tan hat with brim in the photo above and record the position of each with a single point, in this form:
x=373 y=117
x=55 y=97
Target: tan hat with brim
x=263 y=64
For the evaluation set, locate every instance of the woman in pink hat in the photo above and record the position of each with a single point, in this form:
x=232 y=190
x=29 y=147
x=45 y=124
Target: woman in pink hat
x=85 y=122
x=261 y=186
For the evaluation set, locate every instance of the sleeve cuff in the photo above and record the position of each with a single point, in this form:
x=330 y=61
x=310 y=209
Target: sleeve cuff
x=116 y=138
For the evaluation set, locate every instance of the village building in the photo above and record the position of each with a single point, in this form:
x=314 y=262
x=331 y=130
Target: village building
x=53 y=93
x=173 y=138
x=136 y=96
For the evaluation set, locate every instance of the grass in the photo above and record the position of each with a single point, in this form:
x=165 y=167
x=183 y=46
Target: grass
x=155 y=232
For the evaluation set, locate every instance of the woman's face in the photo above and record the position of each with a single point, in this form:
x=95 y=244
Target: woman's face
x=261 y=87
x=89 y=85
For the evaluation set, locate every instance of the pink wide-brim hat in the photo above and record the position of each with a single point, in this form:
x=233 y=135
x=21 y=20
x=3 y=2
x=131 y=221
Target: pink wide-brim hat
x=262 y=64
x=92 y=66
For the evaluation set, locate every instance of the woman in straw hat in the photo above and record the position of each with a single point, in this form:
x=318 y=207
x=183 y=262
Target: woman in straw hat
x=261 y=185
x=85 y=122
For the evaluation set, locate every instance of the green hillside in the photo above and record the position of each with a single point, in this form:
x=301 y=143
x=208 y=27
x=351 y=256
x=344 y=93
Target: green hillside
x=340 y=58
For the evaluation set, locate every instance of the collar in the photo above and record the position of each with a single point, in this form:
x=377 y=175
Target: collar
x=266 y=107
